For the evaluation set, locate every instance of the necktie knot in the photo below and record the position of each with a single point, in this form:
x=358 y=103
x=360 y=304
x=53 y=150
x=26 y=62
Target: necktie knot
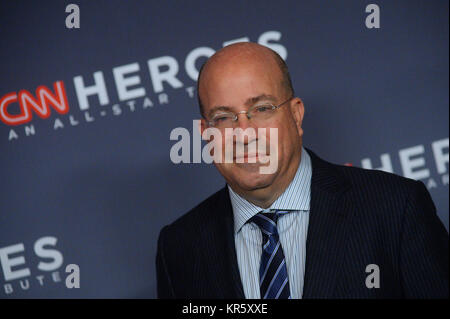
x=267 y=222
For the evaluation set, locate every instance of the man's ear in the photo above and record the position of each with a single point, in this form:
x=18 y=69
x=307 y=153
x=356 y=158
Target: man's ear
x=298 y=111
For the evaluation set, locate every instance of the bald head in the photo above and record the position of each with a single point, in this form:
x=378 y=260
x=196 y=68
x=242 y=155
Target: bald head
x=247 y=53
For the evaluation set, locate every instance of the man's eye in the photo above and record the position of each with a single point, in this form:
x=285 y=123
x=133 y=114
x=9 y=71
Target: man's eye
x=263 y=108
x=221 y=117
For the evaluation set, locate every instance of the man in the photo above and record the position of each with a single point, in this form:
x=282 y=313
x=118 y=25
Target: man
x=311 y=229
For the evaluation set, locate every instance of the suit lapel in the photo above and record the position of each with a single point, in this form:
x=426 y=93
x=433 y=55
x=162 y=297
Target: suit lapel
x=327 y=230
x=220 y=253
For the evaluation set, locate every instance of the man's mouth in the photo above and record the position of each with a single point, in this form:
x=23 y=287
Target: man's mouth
x=246 y=155
x=249 y=157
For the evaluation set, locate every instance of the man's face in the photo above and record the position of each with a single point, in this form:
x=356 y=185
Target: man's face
x=239 y=84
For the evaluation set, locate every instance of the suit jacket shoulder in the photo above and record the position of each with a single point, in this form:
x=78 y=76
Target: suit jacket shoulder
x=361 y=217
x=357 y=217
x=195 y=253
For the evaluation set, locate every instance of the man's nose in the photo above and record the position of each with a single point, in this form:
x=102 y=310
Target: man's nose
x=243 y=121
x=245 y=124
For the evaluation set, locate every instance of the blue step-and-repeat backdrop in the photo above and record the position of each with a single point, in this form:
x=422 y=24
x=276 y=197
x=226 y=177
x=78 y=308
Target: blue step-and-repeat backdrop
x=90 y=92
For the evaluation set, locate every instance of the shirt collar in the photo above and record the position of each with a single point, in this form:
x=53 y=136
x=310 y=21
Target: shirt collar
x=295 y=197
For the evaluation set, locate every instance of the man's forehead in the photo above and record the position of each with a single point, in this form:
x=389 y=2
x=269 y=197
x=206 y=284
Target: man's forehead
x=222 y=70
x=236 y=64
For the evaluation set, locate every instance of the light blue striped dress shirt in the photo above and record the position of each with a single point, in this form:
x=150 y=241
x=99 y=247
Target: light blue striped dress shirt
x=292 y=229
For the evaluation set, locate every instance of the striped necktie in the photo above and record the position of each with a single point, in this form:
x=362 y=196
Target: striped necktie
x=273 y=276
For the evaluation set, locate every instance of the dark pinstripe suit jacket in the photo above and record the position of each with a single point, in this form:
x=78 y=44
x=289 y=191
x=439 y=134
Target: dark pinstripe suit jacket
x=357 y=217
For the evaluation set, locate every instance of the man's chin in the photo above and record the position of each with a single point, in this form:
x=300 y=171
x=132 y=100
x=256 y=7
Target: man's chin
x=250 y=168
x=250 y=178
x=246 y=176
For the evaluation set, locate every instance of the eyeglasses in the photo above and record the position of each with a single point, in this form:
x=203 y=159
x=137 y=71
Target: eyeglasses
x=259 y=114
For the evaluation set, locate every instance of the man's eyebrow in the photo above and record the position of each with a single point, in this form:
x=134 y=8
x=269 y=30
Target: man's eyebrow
x=260 y=97
x=218 y=108
x=250 y=101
